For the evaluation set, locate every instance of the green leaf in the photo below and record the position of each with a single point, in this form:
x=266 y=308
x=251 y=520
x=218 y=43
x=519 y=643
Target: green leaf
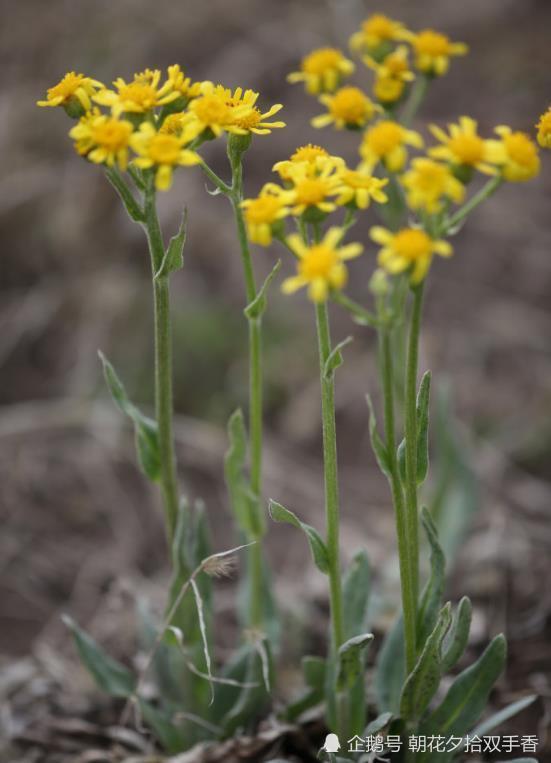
x=135 y=212
x=335 y=359
x=109 y=675
x=174 y=256
x=168 y=734
x=378 y=724
x=356 y=595
x=431 y=599
x=257 y=307
x=313 y=670
x=146 y=432
x=468 y=695
x=423 y=398
x=390 y=669
x=379 y=448
x=503 y=715
x=317 y=546
x=457 y=639
x=246 y=506
x=423 y=681
x=350 y=663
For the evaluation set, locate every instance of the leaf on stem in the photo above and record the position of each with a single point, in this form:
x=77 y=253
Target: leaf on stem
x=379 y=448
x=318 y=548
x=431 y=598
x=423 y=399
x=423 y=681
x=174 y=256
x=356 y=594
x=109 y=674
x=350 y=660
x=335 y=359
x=468 y=695
x=257 y=307
x=135 y=212
x=246 y=506
x=146 y=431
x=457 y=639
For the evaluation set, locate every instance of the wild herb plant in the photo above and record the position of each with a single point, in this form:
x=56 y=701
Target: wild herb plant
x=142 y=133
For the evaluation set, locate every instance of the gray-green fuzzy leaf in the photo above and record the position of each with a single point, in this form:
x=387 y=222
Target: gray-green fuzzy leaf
x=257 y=307
x=174 y=256
x=422 y=683
x=379 y=448
x=317 y=546
x=497 y=719
x=390 y=669
x=378 y=724
x=431 y=600
x=468 y=695
x=356 y=594
x=146 y=432
x=457 y=639
x=246 y=507
x=109 y=675
x=335 y=359
x=350 y=660
x=423 y=399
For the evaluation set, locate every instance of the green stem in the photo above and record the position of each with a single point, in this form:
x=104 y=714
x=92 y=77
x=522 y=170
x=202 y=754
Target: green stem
x=406 y=582
x=416 y=98
x=163 y=365
x=362 y=315
x=486 y=191
x=410 y=427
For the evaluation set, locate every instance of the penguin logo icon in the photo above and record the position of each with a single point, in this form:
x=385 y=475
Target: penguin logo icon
x=331 y=744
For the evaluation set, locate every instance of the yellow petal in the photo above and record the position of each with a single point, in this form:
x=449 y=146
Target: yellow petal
x=380 y=235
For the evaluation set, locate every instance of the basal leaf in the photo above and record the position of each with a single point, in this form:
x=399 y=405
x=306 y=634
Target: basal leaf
x=350 y=662
x=390 y=669
x=457 y=639
x=317 y=546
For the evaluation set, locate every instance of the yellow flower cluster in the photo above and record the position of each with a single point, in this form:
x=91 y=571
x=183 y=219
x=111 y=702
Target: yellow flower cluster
x=152 y=124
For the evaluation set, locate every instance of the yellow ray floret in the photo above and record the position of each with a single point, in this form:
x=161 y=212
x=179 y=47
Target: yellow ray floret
x=463 y=146
x=320 y=267
x=433 y=51
x=163 y=152
x=544 y=129
x=262 y=214
x=103 y=139
x=428 y=184
x=357 y=189
x=409 y=249
x=72 y=88
x=348 y=107
x=392 y=74
x=139 y=96
x=313 y=192
x=516 y=154
x=386 y=142
x=376 y=31
x=322 y=70
x=246 y=115
x=181 y=84
x=312 y=158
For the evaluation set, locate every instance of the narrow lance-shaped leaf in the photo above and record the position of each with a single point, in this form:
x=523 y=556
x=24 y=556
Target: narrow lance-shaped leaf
x=174 y=258
x=468 y=695
x=379 y=448
x=431 y=599
x=457 y=639
x=422 y=683
x=147 y=439
x=109 y=674
x=356 y=595
x=423 y=399
x=378 y=724
x=335 y=359
x=317 y=546
x=234 y=464
x=257 y=307
x=350 y=662
x=497 y=719
x=390 y=669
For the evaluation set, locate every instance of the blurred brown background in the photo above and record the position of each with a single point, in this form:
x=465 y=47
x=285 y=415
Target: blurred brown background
x=80 y=527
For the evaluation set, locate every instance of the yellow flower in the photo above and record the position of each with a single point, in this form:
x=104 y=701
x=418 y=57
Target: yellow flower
x=313 y=158
x=357 y=189
x=516 y=154
x=391 y=75
x=103 y=139
x=433 y=51
x=261 y=214
x=139 y=96
x=348 y=107
x=162 y=151
x=321 y=266
x=181 y=84
x=246 y=116
x=311 y=193
x=73 y=92
x=377 y=31
x=464 y=146
x=386 y=142
x=544 y=129
x=428 y=183
x=173 y=124
x=409 y=248
x=322 y=70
